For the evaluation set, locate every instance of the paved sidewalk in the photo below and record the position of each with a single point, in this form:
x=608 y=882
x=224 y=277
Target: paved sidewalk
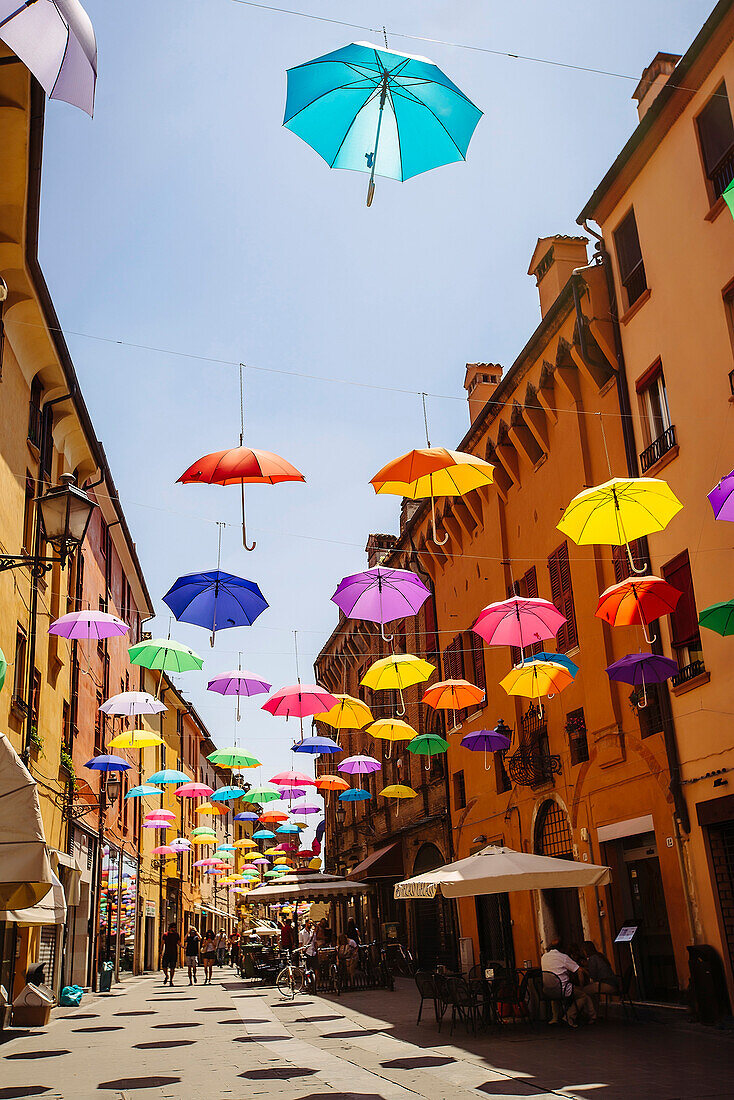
x=234 y=1040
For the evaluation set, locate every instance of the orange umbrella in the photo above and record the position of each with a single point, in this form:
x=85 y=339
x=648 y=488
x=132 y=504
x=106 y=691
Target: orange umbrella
x=331 y=783
x=637 y=601
x=453 y=695
x=273 y=815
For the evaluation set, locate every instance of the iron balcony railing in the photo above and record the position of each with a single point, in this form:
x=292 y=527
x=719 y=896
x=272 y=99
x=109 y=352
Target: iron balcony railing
x=658 y=448
x=635 y=283
x=689 y=672
x=722 y=175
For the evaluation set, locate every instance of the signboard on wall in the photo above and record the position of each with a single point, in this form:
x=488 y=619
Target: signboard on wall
x=150 y=909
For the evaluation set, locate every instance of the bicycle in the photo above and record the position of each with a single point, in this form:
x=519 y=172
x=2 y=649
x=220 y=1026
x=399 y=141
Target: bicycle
x=292 y=979
x=400 y=960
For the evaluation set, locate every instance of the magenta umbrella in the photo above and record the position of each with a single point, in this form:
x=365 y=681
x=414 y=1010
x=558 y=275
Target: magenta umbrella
x=292 y=779
x=359 y=765
x=518 y=621
x=162 y=824
x=81 y=625
x=194 y=790
x=300 y=701
x=721 y=498
x=381 y=595
x=239 y=683
x=303 y=806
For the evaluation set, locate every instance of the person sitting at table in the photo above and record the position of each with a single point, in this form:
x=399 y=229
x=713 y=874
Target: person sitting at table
x=569 y=973
x=348 y=954
x=602 y=978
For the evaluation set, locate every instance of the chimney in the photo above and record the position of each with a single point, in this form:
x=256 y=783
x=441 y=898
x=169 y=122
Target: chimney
x=553 y=262
x=652 y=81
x=480 y=382
x=377 y=547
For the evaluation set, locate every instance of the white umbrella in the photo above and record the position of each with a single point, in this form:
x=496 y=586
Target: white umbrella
x=497 y=870
x=55 y=39
x=25 y=870
x=128 y=703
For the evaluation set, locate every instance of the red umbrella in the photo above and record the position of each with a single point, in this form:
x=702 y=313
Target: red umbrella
x=637 y=601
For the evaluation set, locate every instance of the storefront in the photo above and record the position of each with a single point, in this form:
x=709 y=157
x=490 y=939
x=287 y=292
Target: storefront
x=117 y=916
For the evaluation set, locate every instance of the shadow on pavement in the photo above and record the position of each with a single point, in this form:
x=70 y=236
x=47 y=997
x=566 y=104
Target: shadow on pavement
x=134 y=1083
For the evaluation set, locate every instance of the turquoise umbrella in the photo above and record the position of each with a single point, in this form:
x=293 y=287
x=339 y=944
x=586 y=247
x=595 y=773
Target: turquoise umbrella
x=3 y=668
x=373 y=110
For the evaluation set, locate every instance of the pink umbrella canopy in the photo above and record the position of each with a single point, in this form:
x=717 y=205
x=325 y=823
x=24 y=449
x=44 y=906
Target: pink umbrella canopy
x=519 y=621
x=157 y=825
x=292 y=779
x=166 y=850
x=169 y=814
x=211 y=862
x=81 y=625
x=300 y=701
x=194 y=790
x=128 y=703
x=239 y=682
x=359 y=765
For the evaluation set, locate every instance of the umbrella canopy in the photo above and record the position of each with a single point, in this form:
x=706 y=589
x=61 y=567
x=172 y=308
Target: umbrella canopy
x=263 y=834
x=194 y=790
x=381 y=595
x=245 y=843
x=239 y=682
x=433 y=472
x=273 y=814
x=25 y=870
x=241 y=465
x=204 y=830
x=232 y=757
x=519 y=621
x=302 y=806
x=359 y=765
x=169 y=775
x=158 y=823
x=317 y=746
x=299 y=701
x=166 y=850
x=557 y=658
x=215 y=600
x=536 y=680
x=718 y=617
x=209 y=808
x=82 y=625
x=143 y=791
x=453 y=695
x=399 y=671
x=497 y=870
x=637 y=601
x=169 y=815
x=348 y=714
x=485 y=741
x=129 y=703
x=227 y=794
x=292 y=779
x=246 y=815
x=398 y=790
x=287 y=829
x=135 y=739
x=262 y=795
x=427 y=744
x=721 y=496
x=165 y=654
x=331 y=783
x=639 y=669
x=55 y=40
x=370 y=109
x=392 y=729
x=107 y=763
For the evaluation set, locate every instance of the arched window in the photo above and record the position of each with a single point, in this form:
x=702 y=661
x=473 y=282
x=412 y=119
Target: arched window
x=553 y=835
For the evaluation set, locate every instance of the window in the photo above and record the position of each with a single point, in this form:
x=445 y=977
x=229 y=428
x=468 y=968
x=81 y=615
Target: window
x=20 y=658
x=621 y=561
x=34 y=412
x=35 y=698
x=527 y=585
x=651 y=715
x=659 y=432
x=629 y=259
x=685 y=636
x=66 y=724
x=459 y=791
x=28 y=514
x=179 y=722
x=559 y=569
x=504 y=783
x=716 y=135
x=577 y=738
x=99 y=724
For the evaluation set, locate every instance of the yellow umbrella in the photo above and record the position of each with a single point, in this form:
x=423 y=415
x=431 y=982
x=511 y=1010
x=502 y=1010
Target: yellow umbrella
x=245 y=843
x=211 y=808
x=391 y=730
x=398 y=791
x=537 y=679
x=135 y=739
x=619 y=511
x=203 y=839
x=273 y=852
x=349 y=714
x=400 y=670
x=315 y=863
x=433 y=472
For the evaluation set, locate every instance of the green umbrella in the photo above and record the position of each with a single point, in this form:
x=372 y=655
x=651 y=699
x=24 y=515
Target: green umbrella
x=166 y=655
x=3 y=668
x=427 y=744
x=233 y=758
x=262 y=795
x=719 y=617
x=271 y=874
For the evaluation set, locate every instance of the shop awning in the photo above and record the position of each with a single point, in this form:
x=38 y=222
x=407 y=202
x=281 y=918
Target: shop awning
x=216 y=912
x=72 y=875
x=51 y=909
x=497 y=870
x=386 y=862
x=307 y=887
x=25 y=870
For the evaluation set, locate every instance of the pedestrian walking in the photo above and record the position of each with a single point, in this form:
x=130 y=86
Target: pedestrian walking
x=221 y=947
x=286 y=935
x=234 y=949
x=169 y=950
x=208 y=955
x=191 y=952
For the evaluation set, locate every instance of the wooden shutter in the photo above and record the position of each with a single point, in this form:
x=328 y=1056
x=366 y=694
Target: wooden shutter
x=684 y=620
x=453 y=663
x=476 y=647
x=627 y=242
x=559 y=569
x=530 y=584
x=715 y=129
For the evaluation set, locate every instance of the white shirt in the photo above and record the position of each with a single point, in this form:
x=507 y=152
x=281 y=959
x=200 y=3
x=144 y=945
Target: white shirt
x=304 y=936
x=555 y=962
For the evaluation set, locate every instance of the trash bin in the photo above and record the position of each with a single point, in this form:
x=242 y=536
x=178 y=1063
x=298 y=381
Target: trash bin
x=105 y=977
x=32 y=1006
x=708 y=983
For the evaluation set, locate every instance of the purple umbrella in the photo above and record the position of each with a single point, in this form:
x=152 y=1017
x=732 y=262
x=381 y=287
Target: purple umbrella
x=381 y=595
x=640 y=669
x=303 y=806
x=239 y=682
x=359 y=765
x=81 y=625
x=722 y=498
x=485 y=741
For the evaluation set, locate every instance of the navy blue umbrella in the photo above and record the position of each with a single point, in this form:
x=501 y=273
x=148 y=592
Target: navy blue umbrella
x=215 y=600
x=316 y=745
x=247 y=815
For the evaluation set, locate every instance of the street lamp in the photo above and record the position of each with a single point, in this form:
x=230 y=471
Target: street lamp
x=64 y=513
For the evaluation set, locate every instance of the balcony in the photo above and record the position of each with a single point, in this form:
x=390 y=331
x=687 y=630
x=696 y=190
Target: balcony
x=722 y=175
x=659 y=447
x=688 y=673
x=532 y=765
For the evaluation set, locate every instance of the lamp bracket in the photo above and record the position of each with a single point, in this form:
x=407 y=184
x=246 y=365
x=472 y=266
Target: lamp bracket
x=36 y=566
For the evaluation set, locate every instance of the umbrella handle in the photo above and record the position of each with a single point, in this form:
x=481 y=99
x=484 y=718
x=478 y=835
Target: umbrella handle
x=385 y=637
x=487 y=767
x=373 y=165
x=645 y=634
x=631 y=560
x=436 y=539
x=402 y=711
x=244 y=530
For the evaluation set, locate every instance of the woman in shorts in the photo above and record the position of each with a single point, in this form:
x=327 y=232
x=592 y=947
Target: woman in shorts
x=191 y=952
x=208 y=955
x=169 y=961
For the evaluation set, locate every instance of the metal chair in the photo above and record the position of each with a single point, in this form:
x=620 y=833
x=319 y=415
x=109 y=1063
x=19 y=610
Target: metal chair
x=624 y=996
x=443 y=996
x=427 y=989
x=464 y=1003
x=510 y=988
x=551 y=992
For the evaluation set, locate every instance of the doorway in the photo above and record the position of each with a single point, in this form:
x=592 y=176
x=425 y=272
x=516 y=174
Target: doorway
x=494 y=925
x=560 y=908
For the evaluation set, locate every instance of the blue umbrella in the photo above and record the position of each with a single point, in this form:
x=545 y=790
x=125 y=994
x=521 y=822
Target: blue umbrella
x=374 y=110
x=287 y=829
x=247 y=815
x=169 y=775
x=355 y=794
x=143 y=791
x=107 y=764
x=263 y=834
x=557 y=658
x=215 y=600
x=227 y=794
x=316 y=745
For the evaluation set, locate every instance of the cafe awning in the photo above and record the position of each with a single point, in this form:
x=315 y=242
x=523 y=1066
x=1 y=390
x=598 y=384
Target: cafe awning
x=51 y=909
x=386 y=862
x=25 y=870
x=496 y=870
x=308 y=887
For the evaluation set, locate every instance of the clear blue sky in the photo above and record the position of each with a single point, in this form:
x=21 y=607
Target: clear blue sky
x=185 y=217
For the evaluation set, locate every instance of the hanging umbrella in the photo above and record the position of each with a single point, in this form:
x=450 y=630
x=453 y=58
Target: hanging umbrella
x=228 y=794
x=135 y=739
x=3 y=668
x=317 y=746
x=433 y=472
x=143 y=791
x=181 y=843
x=359 y=765
x=263 y=834
x=261 y=795
x=519 y=621
x=381 y=595
x=557 y=658
x=619 y=511
x=232 y=757
x=399 y=671
x=194 y=790
x=55 y=40
x=486 y=741
x=169 y=815
x=166 y=850
x=453 y=695
x=203 y=831
x=129 y=703
x=348 y=714
x=239 y=683
x=169 y=775
x=641 y=669
x=246 y=815
x=299 y=700
x=107 y=763
x=82 y=625
x=719 y=617
x=287 y=829
x=209 y=808
x=374 y=110
x=157 y=823
x=398 y=791
x=331 y=783
x=391 y=730
x=292 y=779
x=165 y=654
x=637 y=602
x=215 y=600
x=536 y=680
x=427 y=744
x=721 y=496
x=289 y=792
x=245 y=843
x=271 y=814
x=241 y=466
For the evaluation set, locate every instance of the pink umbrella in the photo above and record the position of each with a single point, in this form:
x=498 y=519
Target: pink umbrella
x=169 y=814
x=292 y=779
x=157 y=825
x=165 y=850
x=519 y=621
x=81 y=625
x=194 y=790
x=260 y=861
x=300 y=701
x=209 y=863
x=359 y=765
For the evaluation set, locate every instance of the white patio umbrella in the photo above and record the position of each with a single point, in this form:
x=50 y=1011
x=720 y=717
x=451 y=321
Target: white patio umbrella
x=25 y=870
x=497 y=870
x=55 y=39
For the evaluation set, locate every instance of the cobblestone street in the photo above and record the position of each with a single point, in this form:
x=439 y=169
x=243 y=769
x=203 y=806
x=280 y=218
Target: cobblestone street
x=233 y=1039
